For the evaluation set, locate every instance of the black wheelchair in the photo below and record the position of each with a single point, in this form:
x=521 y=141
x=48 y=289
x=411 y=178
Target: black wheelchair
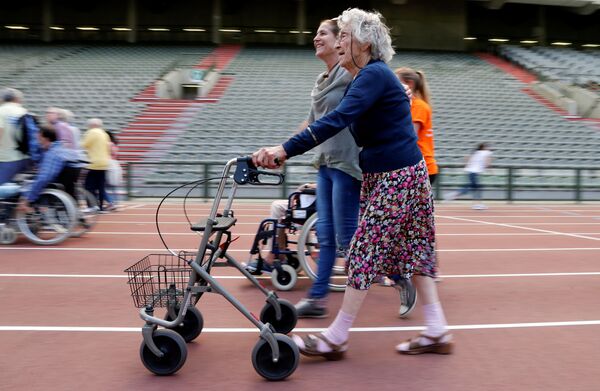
x=283 y=235
x=52 y=221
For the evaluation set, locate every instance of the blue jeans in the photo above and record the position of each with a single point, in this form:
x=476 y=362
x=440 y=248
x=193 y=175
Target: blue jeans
x=473 y=186
x=338 y=196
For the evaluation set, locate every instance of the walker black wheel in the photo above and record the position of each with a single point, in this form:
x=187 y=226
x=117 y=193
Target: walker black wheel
x=174 y=349
x=284 y=280
x=262 y=358
x=292 y=260
x=192 y=324
x=288 y=316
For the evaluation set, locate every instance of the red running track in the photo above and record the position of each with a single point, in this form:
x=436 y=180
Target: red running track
x=520 y=290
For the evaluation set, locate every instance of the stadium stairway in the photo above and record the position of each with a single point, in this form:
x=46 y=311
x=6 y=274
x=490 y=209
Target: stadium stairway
x=523 y=76
x=156 y=128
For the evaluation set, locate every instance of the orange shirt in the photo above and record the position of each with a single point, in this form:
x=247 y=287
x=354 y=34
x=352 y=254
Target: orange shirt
x=421 y=114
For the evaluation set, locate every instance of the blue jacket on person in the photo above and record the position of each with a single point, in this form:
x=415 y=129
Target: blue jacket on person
x=377 y=111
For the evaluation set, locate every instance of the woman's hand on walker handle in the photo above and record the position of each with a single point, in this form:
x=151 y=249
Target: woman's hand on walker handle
x=269 y=157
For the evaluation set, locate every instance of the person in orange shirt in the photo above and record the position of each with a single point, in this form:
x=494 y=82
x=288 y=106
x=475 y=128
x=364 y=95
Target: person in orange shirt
x=421 y=116
x=421 y=113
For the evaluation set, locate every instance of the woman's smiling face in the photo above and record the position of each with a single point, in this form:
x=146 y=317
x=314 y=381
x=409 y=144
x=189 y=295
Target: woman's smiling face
x=324 y=41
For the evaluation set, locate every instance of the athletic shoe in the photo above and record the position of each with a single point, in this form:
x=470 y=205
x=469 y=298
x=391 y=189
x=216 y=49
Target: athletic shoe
x=311 y=308
x=252 y=267
x=479 y=207
x=408 y=296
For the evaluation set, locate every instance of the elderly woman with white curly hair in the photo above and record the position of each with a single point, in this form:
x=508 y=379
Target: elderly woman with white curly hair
x=396 y=231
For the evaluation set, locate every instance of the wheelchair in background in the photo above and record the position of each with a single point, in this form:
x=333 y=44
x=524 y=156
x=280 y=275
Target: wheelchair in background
x=282 y=237
x=53 y=219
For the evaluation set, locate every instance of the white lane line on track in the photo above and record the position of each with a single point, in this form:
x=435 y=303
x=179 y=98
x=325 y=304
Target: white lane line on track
x=162 y=250
x=129 y=207
x=517 y=216
x=254 y=234
x=256 y=223
x=526 y=228
x=266 y=216
x=311 y=329
x=501 y=275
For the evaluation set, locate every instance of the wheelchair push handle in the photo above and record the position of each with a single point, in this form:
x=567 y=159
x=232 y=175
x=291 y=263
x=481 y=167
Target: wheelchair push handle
x=246 y=173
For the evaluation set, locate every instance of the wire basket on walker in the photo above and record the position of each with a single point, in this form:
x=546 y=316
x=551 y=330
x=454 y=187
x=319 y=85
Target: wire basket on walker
x=178 y=280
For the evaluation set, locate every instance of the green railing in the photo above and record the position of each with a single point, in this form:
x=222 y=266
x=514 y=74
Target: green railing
x=501 y=182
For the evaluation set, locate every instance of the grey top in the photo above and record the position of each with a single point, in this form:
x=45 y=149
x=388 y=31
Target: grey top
x=339 y=152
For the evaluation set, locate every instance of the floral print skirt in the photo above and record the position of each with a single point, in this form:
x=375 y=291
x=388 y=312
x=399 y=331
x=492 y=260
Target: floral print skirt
x=396 y=229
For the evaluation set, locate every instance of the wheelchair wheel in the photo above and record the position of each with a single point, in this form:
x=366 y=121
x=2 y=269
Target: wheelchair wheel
x=284 y=280
x=8 y=235
x=192 y=324
x=87 y=207
x=288 y=320
x=53 y=218
x=308 y=255
x=262 y=358
x=292 y=260
x=174 y=349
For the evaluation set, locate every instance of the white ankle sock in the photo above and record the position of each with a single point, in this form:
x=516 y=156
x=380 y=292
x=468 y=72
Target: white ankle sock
x=435 y=322
x=338 y=331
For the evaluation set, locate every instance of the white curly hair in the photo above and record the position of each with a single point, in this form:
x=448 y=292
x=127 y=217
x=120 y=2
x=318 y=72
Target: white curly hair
x=368 y=27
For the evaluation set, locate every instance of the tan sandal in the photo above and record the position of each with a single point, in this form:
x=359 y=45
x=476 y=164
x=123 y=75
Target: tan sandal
x=311 y=343
x=438 y=347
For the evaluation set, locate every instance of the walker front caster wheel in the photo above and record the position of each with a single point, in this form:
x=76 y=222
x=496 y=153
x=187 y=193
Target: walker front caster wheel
x=174 y=349
x=288 y=316
x=262 y=358
x=284 y=280
x=192 y=324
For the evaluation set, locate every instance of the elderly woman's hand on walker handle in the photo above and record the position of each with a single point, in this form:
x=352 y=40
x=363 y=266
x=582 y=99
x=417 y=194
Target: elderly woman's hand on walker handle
x=269 y=157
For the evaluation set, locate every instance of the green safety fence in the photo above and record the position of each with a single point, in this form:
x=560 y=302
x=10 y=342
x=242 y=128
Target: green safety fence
x=501 y=182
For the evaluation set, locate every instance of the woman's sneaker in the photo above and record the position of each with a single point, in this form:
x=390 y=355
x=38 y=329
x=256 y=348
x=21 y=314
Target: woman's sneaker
x=311 y=308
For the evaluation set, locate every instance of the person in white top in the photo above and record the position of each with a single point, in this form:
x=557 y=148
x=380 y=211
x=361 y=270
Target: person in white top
x=12 y=161
x=478 y=162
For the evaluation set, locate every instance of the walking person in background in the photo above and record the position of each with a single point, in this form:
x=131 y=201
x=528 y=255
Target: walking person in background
x=12 y=161
x=478 y=162
x=56 y=118
x=97 y=144
x=396 y=230
x=114 y=175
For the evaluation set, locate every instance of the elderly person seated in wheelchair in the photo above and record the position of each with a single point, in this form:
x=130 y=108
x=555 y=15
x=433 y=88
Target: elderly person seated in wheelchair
x=58 y=164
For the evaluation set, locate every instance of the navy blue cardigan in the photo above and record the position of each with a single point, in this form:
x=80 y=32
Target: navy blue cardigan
x=377 y=111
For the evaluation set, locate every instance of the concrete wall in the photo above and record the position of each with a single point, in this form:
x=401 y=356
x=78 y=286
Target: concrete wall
x=574 y=100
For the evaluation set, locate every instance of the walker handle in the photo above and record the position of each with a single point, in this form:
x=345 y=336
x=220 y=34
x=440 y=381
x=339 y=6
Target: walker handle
x=246 y=173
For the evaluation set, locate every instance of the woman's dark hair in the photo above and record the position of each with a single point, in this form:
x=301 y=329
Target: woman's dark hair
x=333 y=26
x=48 y=133
x=482 y=146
